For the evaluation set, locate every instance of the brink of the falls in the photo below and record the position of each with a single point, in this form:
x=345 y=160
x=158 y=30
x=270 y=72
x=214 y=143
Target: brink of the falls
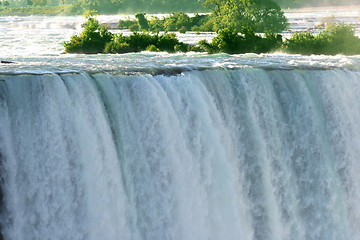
x=215 y=154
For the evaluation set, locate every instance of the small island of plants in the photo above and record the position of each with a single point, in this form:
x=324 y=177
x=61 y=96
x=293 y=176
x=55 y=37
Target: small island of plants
x=97 y=39
x=242 y=26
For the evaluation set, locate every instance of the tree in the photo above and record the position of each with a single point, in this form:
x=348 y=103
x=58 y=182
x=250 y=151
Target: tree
x=6 y=3
x=259 y=15
x=142 y=21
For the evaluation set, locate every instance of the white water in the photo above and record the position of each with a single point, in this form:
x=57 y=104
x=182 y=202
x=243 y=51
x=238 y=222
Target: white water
x=214 y=154
x=159 y=146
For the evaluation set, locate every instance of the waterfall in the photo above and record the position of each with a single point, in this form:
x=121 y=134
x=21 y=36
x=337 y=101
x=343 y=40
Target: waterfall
x=212 y=154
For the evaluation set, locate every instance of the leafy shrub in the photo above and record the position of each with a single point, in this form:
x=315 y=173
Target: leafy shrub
x=142 y=21
x=92 y=40
x=181 y=47
x=304 y=43
x=156 y=24
x=202 y=23
x=337 y=38
x=152 y=48
x=118 y=45
x=114 y=47
x=175 y=22
x=139 y=41
x=167 y=42
x=229 y=41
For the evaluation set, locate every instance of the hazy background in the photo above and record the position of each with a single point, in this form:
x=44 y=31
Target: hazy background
x=164 y=6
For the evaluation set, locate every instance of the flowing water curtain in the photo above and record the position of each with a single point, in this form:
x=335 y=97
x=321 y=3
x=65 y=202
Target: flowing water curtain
x=213 y=154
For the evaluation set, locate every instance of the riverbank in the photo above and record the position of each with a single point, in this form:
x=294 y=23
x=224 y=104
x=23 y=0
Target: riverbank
x=30 y=11
x=327 y=8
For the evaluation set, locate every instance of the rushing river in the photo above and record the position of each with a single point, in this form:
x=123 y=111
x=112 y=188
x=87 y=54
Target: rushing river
x=157 y=146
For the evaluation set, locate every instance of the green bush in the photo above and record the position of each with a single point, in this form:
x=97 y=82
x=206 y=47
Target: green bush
x=181 y=47
x=139 y=41
x=337 y=38
x=156 y=24
x=175 y=22
x=142 y=21
x=304 y=43
x=118 y=45
x=152 y=48
x=92 y=40
x=230 y=41
x=167 y=42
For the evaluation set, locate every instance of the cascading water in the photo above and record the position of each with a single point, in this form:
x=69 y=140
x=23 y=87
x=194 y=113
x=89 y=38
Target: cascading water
x=213 y=154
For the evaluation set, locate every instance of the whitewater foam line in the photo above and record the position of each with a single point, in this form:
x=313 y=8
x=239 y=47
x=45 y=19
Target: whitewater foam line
x=172 y=70
x=213 y=154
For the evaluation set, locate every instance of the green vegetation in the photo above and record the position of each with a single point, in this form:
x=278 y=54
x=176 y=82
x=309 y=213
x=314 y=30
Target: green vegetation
x=259 y=15
x=335 y=39
x=39 y=10
x=175 y=22
x=92 y=40
x=137 y=42
x=229 y=41
x=97 y=39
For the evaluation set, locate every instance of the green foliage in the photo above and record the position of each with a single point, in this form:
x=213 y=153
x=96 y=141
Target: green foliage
x=97 y=39
x=228 y=40
x=139 y=41
x=336 y=39
x=167 y=42
x=117 y=45
x=259 y=15
x=92 y=40
x=142 y=21
x=126 y=24
x=134 y=28
x=202 y=23
x=181 y=47
x=26 y=11
x=175 y=22
x=152 y=48
x=156 y=24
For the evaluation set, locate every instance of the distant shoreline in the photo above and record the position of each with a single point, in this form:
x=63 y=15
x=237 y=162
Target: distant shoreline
x=327 y=8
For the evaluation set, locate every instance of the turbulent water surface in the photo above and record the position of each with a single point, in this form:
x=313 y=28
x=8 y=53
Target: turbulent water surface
x=157 y=146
